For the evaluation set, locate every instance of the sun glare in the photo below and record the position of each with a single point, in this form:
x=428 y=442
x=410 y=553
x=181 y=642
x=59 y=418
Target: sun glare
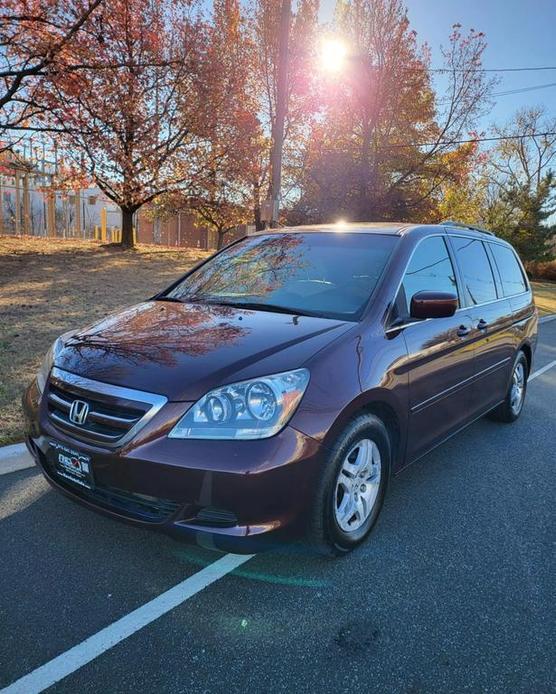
x=333 y=54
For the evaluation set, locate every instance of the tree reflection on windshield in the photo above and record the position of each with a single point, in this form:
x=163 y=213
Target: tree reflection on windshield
x=252 y=269
x=314 y=273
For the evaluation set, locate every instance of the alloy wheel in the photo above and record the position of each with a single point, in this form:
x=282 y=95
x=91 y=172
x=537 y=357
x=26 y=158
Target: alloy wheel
x=517 y=391
x=357 y=485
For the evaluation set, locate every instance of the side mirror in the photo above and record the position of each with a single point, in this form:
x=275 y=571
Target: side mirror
x=433 y=305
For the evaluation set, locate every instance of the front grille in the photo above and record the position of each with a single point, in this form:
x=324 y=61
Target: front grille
x=105 y=422
x=115 y=414
x=138 y=506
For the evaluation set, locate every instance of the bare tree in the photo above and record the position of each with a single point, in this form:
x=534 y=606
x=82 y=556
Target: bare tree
x=525 y=160
x=520 y=178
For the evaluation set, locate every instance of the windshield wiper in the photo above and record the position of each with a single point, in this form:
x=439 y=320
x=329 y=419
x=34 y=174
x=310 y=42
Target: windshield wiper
x=193 y=299
x=271 y=308
x=248 y=305
x=168 y=298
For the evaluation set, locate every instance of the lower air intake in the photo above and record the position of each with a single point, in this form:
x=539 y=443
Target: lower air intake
x=216 y=517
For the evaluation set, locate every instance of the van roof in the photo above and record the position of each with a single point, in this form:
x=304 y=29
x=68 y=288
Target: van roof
x=359 y=227
x=391 y=228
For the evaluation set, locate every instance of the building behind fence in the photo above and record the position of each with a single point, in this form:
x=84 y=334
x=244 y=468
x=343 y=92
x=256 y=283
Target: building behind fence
x=31 y=205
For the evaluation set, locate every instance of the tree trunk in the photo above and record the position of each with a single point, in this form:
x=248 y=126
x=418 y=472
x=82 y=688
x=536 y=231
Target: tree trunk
x=259 y=224
x=220 y=242
x=127 y=227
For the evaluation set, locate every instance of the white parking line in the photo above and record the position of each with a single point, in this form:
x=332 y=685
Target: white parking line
x=63 y=665
x=539 y=372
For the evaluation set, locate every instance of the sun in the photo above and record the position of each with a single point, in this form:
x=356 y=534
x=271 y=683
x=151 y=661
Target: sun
x=333 y=55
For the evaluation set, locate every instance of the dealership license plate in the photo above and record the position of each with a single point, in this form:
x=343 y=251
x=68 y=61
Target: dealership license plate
x=71 y=464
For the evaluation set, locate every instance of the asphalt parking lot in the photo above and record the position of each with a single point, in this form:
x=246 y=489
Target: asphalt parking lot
x=454 y=592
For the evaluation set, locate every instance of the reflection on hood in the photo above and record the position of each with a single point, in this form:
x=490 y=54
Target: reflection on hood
x=150 y=332
x=181 y=350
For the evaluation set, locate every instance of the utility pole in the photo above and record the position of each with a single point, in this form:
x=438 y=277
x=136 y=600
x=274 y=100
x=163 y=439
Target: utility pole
x=17 y=201
x=281 y=109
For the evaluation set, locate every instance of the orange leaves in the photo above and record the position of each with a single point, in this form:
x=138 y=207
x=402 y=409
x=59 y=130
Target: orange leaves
x=130 y=109
x=383 y=145
x=70 y=177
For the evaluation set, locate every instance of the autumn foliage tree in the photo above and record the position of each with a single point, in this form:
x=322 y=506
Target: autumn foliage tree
x=241 y=82
x=381 y=148
x=221 y=198
x=302 y=94
x=35 y=38
x=129 y=118
x=175 y=101
x=462 y=193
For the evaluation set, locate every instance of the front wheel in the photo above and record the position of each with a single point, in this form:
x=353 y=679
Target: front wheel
x=352 y=487
x=510 y=409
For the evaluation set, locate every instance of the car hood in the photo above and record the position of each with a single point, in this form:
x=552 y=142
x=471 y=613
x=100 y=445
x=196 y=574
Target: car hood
x=183 y=350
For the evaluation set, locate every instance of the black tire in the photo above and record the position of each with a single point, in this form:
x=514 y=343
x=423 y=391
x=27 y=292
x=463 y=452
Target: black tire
x=505 y=412
x=324 y=534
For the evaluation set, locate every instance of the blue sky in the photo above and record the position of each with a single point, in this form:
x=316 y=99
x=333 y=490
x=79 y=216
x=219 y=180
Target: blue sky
x=520 y=33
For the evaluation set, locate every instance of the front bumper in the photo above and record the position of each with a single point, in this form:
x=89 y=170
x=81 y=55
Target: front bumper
x=239 y=496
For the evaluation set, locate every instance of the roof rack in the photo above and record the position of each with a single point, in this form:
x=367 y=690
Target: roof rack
x=462 y=225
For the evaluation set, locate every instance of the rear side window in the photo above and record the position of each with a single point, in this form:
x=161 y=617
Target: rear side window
x=430 y=269
x=475 y=268
x=511 y=275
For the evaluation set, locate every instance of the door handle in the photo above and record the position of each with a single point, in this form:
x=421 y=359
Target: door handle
x=463 y=330
x=482 y=324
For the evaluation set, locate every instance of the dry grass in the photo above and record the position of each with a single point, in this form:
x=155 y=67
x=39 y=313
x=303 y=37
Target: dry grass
x=545 y=296
x=49 y=286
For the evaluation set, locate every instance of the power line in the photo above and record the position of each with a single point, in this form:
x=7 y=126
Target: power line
x=509 y=92
x=521 y=90
x=493 y=69
x=497 y=138
x=422 y=67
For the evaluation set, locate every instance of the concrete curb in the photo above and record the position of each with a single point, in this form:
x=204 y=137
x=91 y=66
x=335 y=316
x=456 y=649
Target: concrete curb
x=15 y=457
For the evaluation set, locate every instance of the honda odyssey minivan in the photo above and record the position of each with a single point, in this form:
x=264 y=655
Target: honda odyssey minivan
x=272 y=391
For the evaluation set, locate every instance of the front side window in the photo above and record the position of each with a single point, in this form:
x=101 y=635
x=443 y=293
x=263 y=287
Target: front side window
x=328 y=274
x=475 y=268
x=511 y=275
x=430 y=269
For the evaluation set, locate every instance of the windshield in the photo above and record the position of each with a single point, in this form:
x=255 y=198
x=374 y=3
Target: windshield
x=321 y=274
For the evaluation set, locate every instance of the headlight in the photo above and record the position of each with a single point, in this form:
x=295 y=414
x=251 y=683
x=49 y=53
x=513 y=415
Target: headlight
x=47 y=363
x=254 y=409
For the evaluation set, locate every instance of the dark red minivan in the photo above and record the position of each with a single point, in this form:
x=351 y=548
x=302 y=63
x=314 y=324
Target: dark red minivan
x=272 y=391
